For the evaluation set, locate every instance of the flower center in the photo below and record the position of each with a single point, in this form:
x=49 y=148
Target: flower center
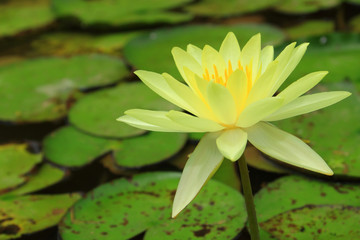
x=223 y=78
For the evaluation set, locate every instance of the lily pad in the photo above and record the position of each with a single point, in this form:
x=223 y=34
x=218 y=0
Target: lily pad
x=332 y=132
x=15 y=162
x=281 y=198
x=29 y=214
x=46 y=176
x=305 y=6
x=219 y=8
x=64 y=44
x=310 y=28
x=119 y=12
x=73 y=148
x=155 y=47
x=40 y=90
x=126 y=207
x=97 y=112
x=335 y=53
x=19 y=15
x=342 y=222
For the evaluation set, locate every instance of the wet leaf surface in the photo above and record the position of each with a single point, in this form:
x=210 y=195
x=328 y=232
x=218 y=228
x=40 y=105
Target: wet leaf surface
x=46 y=176
x=293 y=192
x=323 y=222
x=40 y=90
x=305 y=6
x=310 y=28
x=28 y=214
x=73 y=148
x=126 y=207
x=332 y=132
x=120 y=12
x=15 y=162
x=19 y=15
x=156 y=46
x=90 y=115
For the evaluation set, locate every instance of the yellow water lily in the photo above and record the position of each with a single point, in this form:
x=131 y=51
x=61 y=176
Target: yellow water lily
x=230 y=95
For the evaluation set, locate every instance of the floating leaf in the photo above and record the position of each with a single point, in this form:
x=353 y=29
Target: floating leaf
x=332 y=132
x=64 y=44
x=126 y=207
x=97 y=112
x=120 y=12
x=15 y=162
x=39 y=90
x=73 y=148
x=155 y=47
x=29 y=214
x=46 y=176
x=310 y=28
x=281 y=197
x=335 y=53
x=304 y=6
x=219 y=8
x=17 y=16
x=316 y=222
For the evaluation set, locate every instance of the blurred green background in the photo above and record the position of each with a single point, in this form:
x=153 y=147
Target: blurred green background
x=66 y=74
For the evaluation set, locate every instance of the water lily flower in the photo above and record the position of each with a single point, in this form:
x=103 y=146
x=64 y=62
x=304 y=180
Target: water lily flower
x=230 y=95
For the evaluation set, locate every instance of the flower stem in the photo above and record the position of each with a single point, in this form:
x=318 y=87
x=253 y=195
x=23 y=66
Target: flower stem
x=249 y=200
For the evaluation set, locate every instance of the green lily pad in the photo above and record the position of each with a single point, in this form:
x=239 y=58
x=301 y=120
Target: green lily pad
x=15 y=162
x=310 y=28
x=29 y=214
x=335 y=53
x=120 y=12
x=281 y=197
x=46 y=176
x=19 y=15
x=355 y=24
x=50 y=84
x=332 y=132
x=305 y=6
x=64 y=44
x=155 y=47
x=126 y=207
x=72 y=148
x=97 y=112
x=342 y=222
x=219 y=8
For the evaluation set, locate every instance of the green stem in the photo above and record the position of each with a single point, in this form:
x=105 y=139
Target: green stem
x=249 y=200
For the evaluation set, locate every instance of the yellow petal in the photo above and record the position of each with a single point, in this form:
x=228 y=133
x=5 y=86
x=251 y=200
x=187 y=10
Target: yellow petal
x=231 y=143
x=257 y=111
x=266 y=57
x=187 y=120
x=292 y=62
x=193 y=102
x=251 y=53
x=237 y=86
x=301 y=86
x=263 y=86
x=230 y=49
x=170 y=89
x=221 y=102
x=286 y=147
x=160 y=119
x=195 y=52
x=307 y=103
x=213 y=63
x=184 y=59
x=200 y=167
x=142 y=125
